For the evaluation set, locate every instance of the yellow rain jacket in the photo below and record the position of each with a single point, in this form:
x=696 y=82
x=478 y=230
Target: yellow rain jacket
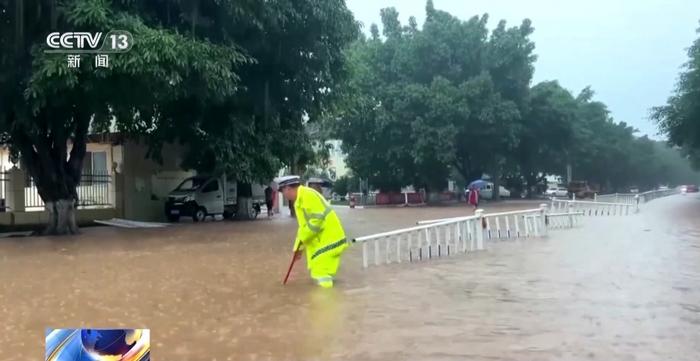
x=321 y=234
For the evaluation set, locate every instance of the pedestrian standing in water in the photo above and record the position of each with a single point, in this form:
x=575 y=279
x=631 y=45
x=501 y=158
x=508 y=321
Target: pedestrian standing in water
x=320 y=233
x=268 y=201
x=474 y=197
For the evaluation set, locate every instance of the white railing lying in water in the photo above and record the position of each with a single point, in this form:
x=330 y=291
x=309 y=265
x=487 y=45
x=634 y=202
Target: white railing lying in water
x=593 y=208
x=563 y=220
x=443 y=237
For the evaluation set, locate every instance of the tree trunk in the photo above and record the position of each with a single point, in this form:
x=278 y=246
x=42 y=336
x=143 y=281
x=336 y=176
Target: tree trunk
x=55 y=171
x=62 y=219
x=496 y=175
x=530 y=181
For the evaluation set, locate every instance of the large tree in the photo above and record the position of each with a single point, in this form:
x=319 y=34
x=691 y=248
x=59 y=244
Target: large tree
x=430 y=100
x=224 y=77
x=546 y=136
x=46 y=106
x=680 y=117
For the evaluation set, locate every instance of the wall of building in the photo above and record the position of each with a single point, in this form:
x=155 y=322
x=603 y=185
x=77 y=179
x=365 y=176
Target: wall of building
x=138 y=189
x=83 y=217
x=5 y=163
x=145 y=183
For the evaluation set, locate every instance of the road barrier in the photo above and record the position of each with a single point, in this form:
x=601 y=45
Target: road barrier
x=593 y=208
x=651 y=195
x=444 y=237
x=447 y=236
x=563 y=220
x=634 y=198
x=626 y=198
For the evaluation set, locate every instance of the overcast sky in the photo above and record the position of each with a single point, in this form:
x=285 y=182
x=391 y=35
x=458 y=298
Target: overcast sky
x=629 y=51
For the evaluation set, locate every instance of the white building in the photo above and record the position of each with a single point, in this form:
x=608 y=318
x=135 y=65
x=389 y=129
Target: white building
x=336 y=160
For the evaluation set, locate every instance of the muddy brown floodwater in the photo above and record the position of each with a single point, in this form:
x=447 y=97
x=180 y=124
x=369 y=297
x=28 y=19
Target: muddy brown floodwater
x=618 y=288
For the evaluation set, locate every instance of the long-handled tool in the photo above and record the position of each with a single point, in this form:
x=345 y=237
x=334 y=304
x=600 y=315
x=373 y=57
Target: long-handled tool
x=295 y=255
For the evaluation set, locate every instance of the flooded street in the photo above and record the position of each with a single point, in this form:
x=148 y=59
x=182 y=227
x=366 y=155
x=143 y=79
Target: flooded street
x=616 y=288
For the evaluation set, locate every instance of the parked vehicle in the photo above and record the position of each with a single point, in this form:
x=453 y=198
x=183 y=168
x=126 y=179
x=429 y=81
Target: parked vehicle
x=581 y=189
x=663 y=188
x=691 y=188
x=487 y=191
x=202 y=196
x=557 y=192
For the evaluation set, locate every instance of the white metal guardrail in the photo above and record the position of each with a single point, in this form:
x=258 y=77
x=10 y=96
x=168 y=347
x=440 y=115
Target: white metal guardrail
x=593 y=208
x=447 y=236
x=651 y=195
x=444 y=237
x=634 y=198
x=563 y=220
x=626 y=198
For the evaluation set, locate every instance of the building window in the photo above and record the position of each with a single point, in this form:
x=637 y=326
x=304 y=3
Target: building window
x=95 y=163
x=94 y=168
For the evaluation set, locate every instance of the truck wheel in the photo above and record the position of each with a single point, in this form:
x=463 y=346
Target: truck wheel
x=199 y=215
x=174 y=218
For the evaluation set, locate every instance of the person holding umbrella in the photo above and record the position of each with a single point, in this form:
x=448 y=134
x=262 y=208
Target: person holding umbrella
x=473 y=197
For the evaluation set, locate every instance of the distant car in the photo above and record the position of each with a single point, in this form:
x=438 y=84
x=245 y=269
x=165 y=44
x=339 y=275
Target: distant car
x=663 y=188
x=557 y=192
x=487 y=191
x=691 y=188
x=581 y=189
x=634 y=190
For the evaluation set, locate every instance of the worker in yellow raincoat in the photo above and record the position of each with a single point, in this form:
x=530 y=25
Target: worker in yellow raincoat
x=320 y=233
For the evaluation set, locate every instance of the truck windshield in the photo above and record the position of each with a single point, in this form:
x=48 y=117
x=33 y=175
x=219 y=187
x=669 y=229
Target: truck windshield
x=191 y=184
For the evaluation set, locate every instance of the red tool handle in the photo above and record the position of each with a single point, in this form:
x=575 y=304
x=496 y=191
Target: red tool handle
x=291 y=264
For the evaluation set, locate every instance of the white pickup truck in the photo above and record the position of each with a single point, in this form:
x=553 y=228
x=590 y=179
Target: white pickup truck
x=202 y=196
x=486 y=192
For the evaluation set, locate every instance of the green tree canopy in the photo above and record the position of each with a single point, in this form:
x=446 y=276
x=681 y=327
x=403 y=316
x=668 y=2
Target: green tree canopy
x=425 y=101
x=451 y=96
x=680 y=117
x=233 y=80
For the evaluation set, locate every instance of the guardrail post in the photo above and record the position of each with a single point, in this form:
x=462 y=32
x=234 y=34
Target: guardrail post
x=595 y=197
x=479 y=228
x=543 y=219
x=398 y=248
x=636 y=203
x=571 y=212
x=364 y=254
